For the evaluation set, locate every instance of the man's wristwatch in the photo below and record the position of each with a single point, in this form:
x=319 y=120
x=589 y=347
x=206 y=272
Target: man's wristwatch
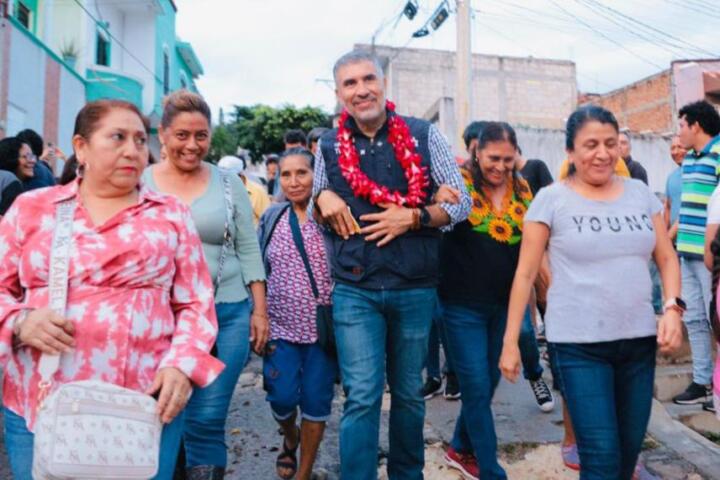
x=676 y=303
x=425 y=217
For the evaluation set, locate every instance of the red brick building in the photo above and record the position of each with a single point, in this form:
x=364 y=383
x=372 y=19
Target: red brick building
x=650 y=105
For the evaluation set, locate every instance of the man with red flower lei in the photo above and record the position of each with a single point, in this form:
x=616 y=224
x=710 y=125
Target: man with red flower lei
x=383 y=170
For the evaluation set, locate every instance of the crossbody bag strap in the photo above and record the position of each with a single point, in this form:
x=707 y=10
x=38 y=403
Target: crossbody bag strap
x=227 y=237
x=297 y=238
x=58 y=284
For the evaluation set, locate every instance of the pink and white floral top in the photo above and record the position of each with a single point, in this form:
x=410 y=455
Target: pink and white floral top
x=139 y=294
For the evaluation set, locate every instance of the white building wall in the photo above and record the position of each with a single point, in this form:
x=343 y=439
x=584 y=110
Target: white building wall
x=140 y=40
x=70 y=25
x=26 y=84
x=72 y=99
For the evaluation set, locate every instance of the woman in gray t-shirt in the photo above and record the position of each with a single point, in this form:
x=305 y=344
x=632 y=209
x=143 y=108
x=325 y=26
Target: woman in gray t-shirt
x=599 y=231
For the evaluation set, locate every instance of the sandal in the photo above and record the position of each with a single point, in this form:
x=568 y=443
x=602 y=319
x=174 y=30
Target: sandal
x=288 y=459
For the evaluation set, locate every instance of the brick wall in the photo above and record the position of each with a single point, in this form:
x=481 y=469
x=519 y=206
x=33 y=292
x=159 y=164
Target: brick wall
x=643 y=106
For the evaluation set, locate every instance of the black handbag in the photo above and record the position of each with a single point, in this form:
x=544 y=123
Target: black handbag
x=323 y=317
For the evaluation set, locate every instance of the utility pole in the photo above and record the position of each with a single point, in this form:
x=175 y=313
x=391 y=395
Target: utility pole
x=463 y=70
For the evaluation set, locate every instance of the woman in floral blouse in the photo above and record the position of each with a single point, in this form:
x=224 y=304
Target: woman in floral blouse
x=297 y=371
x=139 y=306
x=478 y=260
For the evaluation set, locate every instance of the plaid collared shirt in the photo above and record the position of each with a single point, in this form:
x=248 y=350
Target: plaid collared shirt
x=443 y=169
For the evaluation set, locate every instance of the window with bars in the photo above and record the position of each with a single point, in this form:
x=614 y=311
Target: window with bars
x=23 y=14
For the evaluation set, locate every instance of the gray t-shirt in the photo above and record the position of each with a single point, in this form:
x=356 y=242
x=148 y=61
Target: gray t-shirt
x=599 y=252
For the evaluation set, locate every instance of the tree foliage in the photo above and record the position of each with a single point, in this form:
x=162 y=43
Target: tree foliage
x=260 y=129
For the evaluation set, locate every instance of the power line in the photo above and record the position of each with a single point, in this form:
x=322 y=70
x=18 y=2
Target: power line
x=628 y=27
x=694 y=7
x=609 y=39
x=653 y=29
x=132 y=55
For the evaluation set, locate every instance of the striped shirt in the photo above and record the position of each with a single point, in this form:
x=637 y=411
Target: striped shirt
x=700 y=175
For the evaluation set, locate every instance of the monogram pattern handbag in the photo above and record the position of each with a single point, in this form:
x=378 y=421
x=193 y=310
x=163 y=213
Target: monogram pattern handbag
x=89 y=429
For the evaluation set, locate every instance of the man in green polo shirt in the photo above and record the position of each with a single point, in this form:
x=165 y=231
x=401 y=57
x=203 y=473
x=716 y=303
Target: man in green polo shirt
x=699 y=127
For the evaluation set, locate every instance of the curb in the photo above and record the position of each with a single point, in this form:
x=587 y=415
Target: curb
x=687 y=443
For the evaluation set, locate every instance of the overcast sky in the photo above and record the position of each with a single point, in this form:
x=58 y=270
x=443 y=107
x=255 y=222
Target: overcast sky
x=282 y=51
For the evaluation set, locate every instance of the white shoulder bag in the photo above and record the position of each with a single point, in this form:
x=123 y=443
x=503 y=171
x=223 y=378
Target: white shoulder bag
x=89 y=429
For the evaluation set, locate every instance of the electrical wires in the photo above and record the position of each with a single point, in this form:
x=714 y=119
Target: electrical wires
x=120 y=44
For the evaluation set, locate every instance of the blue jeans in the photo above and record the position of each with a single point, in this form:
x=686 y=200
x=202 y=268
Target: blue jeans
x=529 y=353
x=19 y=445
x=657 y=295
x=696 y=286
x=608 y=388
x=379 y=330
x=475 y=336
x=206 y=412
x=437 y=338
x=299 y=375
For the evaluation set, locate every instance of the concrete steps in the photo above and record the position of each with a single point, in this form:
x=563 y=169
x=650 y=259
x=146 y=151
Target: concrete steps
x=681 y=427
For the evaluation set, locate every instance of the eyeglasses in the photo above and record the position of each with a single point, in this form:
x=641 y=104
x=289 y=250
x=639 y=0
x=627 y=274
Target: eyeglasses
x=29 y=157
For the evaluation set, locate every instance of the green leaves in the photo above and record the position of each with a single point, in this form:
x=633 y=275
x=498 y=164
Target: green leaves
x=260 y=129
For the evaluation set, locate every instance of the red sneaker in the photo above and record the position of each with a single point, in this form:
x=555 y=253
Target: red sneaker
x=465 y=462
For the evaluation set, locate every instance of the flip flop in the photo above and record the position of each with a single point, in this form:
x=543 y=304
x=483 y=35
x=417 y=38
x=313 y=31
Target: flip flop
x=287 y=459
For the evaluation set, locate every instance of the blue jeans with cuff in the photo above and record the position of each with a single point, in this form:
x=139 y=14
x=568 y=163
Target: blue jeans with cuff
x=206 y=412
x=299 y=375
x=379 y=331
x=19 y=446
x=608 y=388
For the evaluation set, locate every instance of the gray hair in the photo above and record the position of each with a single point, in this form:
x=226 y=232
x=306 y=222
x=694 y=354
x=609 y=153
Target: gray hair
x=357 y=56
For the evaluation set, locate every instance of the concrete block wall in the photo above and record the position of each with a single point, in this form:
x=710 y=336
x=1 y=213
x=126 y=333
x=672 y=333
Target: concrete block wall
x=534 y=92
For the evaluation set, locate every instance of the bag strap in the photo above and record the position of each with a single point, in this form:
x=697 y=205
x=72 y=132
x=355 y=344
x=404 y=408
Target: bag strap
x=227 y=238
x=58 y=284
x=297 y=238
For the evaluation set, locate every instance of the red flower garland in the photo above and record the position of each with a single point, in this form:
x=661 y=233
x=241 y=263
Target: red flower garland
x=402 y=142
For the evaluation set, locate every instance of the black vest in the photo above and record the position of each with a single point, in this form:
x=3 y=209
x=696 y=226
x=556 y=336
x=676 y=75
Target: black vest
x=410 y=261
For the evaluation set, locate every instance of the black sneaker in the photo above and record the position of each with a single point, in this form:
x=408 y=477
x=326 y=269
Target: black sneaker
x=543 y=395
x=694 y=394
x=709 y=406
x=452 y=388
x=432 y=387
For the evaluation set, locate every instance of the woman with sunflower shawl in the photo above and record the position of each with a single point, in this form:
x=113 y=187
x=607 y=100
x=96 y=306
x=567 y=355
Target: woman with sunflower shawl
x=478 y=260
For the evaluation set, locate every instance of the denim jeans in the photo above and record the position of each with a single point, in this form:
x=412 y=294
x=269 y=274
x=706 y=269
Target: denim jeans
x=608 y=388
x=19 y=445
x=475 y=335
x=529 y=353
x=206 y=412
x=437 y=338
x=696 y=292
x=299 y=375
x=657 y=294
x=379 y=331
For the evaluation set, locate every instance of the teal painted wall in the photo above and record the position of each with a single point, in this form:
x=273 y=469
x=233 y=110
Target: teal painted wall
x=182 y=67
x=110 y=85
x=164 y=37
